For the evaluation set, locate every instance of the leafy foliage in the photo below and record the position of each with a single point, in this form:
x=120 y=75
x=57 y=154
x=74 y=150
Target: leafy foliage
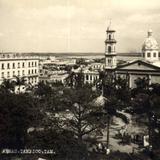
x=17 y=113
x=81 y=119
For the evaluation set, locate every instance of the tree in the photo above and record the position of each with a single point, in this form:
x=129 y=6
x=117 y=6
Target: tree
x=146 y=102
x=75 y=80
x=16 y=115
x=54 y=134
x=61 y=141
x=81 y=120
x=122 y=91
x=113 y=89
x=155 y=88
x=7 y=86
x=19 y=81
x=42 y=90
x=142 y=86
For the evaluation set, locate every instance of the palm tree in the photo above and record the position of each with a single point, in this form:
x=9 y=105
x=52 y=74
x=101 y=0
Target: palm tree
x=7 y=85
x=19 y=82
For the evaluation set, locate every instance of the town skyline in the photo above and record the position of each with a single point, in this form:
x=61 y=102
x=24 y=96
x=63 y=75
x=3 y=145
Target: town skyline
x=76 y=26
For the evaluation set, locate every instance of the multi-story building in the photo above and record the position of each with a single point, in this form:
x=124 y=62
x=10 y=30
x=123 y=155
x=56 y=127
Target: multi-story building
x=91 y=76
x=58 y=76
x=12 y=66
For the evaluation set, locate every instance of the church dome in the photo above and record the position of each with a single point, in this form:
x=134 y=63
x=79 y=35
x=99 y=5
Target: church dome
x=150 y=42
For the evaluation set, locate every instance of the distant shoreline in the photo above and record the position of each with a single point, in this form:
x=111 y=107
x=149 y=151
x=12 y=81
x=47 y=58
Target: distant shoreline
x=72 y=54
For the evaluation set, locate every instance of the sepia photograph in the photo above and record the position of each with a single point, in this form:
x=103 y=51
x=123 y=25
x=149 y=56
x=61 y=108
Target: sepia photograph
x=79 y=80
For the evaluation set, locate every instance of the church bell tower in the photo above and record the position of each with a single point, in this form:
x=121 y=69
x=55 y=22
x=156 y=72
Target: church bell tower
x=110 y=49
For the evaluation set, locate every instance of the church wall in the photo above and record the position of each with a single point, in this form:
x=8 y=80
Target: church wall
x=133 y=78
x=155 y=79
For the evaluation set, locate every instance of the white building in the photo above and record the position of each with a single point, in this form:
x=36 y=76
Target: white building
x=90 y=76
x=54 y=78
x=12 y=66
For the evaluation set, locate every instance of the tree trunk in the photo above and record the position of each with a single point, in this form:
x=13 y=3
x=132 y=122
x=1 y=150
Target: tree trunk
x=150 y=130
x=108 y=127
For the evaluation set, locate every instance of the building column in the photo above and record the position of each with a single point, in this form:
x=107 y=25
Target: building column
x=150 y=79
x=129 y=80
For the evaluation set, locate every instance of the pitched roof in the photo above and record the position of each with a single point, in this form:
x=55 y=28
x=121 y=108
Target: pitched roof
x=140 y=63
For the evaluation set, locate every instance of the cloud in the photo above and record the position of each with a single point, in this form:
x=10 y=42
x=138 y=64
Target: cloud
x=78 y=25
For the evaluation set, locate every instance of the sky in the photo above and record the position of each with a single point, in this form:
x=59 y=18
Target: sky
x=76 y=25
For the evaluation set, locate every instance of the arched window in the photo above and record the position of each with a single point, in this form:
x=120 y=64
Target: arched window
x=109 y=61
x=109 y=49
x=110 y=37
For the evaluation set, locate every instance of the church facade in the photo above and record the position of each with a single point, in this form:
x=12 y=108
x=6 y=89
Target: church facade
x=148 y=66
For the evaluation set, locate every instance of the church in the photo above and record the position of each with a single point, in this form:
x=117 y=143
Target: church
x=148 y=66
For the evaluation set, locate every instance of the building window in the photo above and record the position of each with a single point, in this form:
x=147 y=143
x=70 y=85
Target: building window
x=32 y=64
x=35 y=71
x=31 y=80
x=29 y=72
x=23 y=64
x=32 y=71
x=2 y=74
x=18 y=65
x=35 y=64
x=154 y=54
x=109 y=37
x=23 y=72
x=8 y=74
x=109 y=49
x=87 y=77
x=13 y=73
x=13 y=65
x=148 y=54
x=91 y=77
x=143 y=54
x=109 y=61
x=159 y=54
x=18 y=73
x=35 y=80
x=28 y=64
x=2 y=65
x=8 y=65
